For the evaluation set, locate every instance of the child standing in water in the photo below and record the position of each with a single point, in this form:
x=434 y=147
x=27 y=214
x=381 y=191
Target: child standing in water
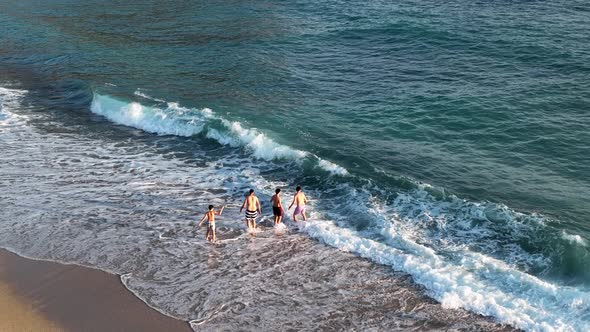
x=210 y=216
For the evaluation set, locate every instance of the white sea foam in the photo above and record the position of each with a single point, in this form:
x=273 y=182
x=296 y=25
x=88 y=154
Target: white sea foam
x=457 y=223
x=476 y=282
x=10 y=100
x=169 y=121
x=146 y=96
x=280 y=229
x=573 y=238
x=261 y=146
x=332 y=168
x=7 y=94
x=181 y=121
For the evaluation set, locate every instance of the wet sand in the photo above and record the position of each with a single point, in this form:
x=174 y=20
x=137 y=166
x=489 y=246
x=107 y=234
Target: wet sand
x=46 y=296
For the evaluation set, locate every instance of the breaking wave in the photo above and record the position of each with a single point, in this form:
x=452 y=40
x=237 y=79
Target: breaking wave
x=180 y=121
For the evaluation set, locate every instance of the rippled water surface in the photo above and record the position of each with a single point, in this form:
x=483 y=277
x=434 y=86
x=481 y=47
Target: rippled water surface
x=444 y=145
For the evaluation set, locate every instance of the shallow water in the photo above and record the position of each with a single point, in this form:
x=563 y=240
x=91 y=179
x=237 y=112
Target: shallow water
x=446 y=141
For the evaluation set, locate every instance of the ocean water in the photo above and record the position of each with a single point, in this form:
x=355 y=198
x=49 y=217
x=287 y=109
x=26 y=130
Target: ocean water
x=444 y=145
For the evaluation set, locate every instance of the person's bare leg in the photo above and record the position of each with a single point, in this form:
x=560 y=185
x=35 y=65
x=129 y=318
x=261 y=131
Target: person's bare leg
x=304 y=217
x=294 y=217
x=214 y=236
x=207 y=235
x=280 y=218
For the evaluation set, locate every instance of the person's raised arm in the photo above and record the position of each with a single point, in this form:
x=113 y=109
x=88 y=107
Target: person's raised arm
x=220 y=211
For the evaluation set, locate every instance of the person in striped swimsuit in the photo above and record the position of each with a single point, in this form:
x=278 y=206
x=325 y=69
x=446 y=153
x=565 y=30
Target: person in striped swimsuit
x=252 y=205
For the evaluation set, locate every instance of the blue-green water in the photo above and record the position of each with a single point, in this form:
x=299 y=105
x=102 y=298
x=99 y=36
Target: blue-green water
x=444 y=136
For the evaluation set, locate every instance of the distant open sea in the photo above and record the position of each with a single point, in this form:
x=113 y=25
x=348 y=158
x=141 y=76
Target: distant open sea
x=445 y=146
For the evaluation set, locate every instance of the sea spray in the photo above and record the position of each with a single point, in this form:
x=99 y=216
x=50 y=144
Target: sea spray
x=168 y=121
x=280 y=229
x=181 y=121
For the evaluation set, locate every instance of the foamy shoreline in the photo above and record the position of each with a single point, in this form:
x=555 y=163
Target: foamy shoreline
x=75 y=298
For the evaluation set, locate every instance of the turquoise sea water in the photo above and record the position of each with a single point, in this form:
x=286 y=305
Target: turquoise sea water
x=435 y=137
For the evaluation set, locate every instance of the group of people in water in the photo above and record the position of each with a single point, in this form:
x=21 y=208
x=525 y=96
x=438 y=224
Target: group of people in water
x=253 y=209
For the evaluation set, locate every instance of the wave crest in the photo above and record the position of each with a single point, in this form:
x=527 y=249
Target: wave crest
x=181 y=121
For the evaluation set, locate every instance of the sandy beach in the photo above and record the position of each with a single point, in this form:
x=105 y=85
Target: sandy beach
x=46 y=296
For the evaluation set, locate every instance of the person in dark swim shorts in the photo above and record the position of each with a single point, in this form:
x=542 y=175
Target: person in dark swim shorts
x=277 y=206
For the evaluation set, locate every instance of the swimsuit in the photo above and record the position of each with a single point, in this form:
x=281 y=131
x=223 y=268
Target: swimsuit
x=299 y=209
x=251 y=214
x=212 y=226
x=277 y=211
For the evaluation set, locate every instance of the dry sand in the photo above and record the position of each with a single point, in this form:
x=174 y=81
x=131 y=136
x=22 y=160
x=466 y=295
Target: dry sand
x=46 y=296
